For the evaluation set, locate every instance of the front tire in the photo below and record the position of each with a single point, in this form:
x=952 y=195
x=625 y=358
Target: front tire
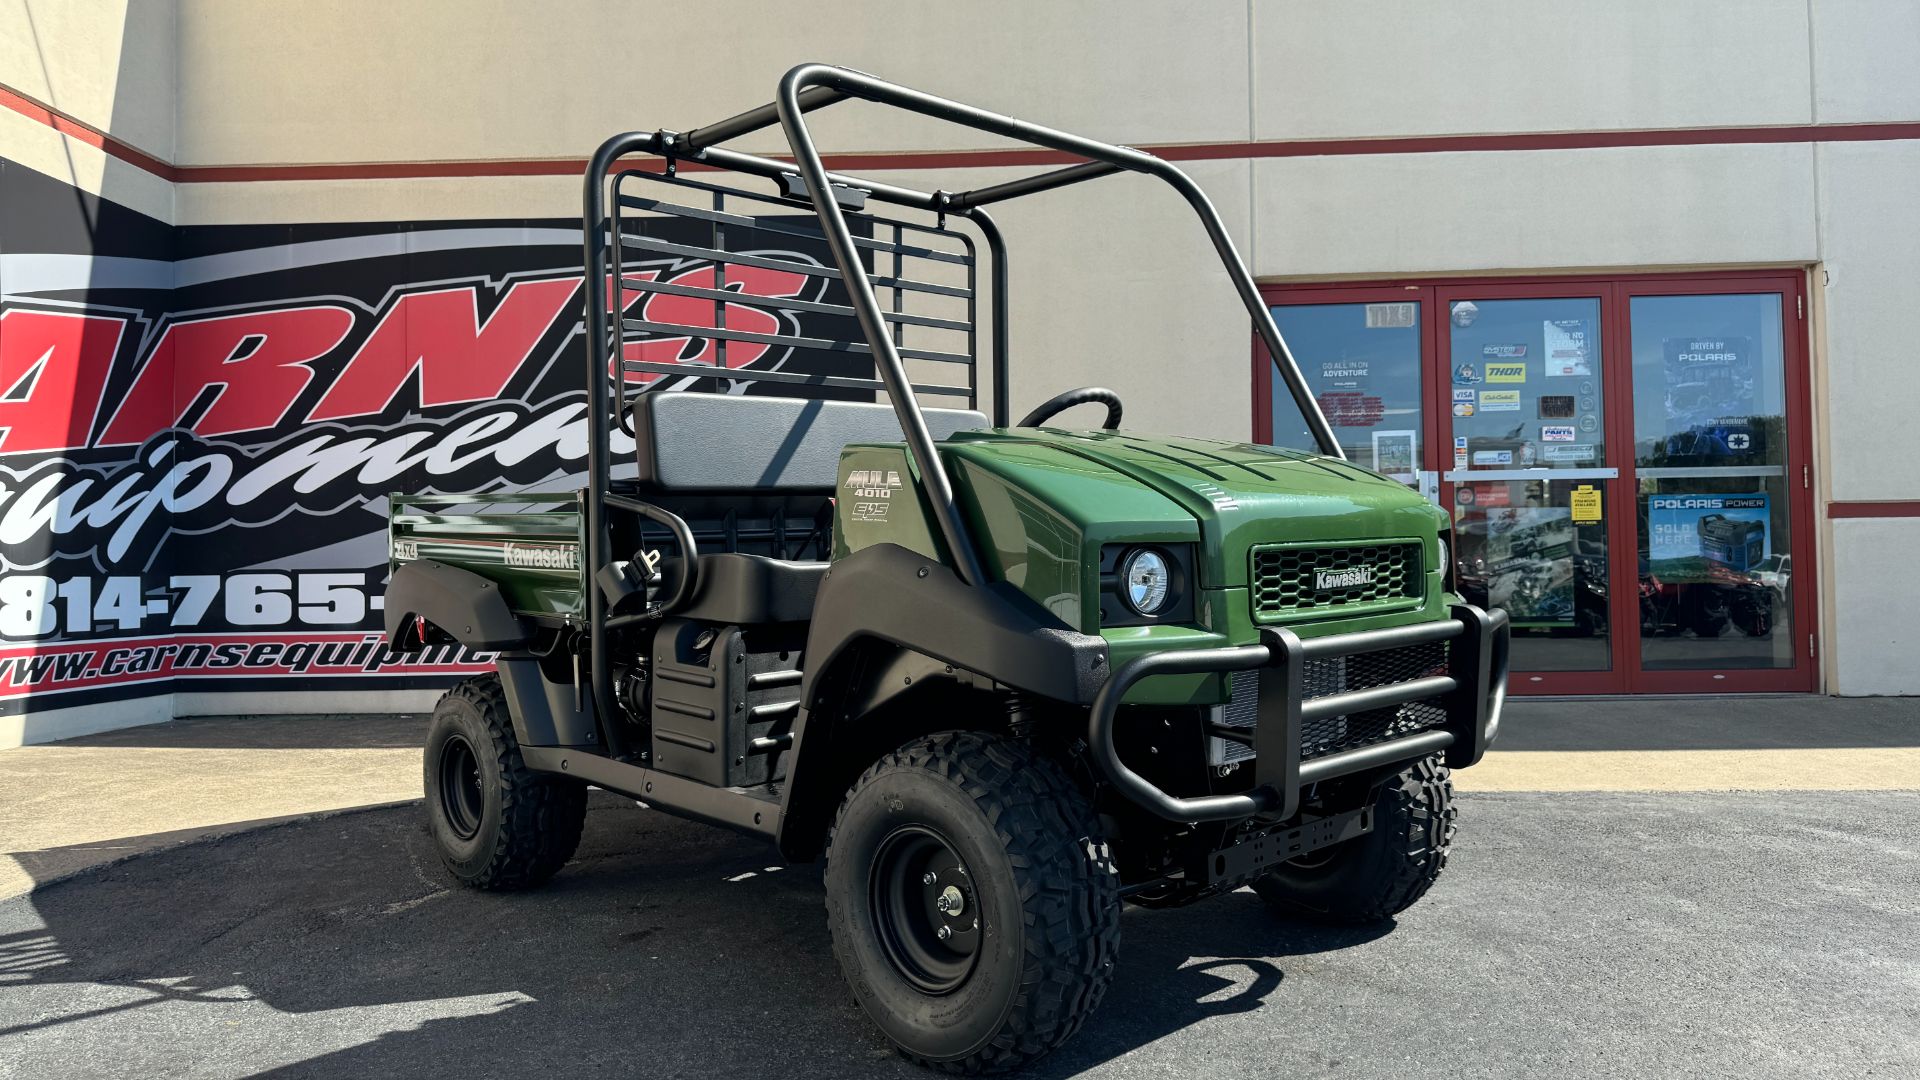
x=974 y=909
x=497 y=823
x=1376 y=876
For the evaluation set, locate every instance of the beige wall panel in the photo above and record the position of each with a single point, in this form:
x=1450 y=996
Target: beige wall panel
x=1870 y=230
x=1440 y=213
x=1866 y=60
x=1114 y=281
x=293 y=201
x=1114 y=284
x=45 y=150
x=1396 y=67
x=1874 y=598
x=360 y=80
x=108 y=63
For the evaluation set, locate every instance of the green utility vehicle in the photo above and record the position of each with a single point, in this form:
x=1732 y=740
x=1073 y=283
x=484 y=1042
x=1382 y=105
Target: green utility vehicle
x=1001 y=677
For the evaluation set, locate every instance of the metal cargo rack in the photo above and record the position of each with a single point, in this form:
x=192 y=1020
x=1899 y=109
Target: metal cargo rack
x=906 y=247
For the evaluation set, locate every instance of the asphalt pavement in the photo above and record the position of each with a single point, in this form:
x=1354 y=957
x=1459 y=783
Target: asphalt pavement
x=1584 y=934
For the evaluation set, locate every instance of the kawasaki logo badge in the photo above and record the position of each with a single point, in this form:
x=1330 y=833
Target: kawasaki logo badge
x=543 y=556
x=1342 y=579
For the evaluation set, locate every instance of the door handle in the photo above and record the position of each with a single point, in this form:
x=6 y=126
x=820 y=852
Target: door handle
x=1461 y=475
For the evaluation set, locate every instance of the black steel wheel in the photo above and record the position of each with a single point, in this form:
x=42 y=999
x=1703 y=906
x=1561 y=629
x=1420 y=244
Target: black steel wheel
x=497 y=823
x=461 y=800
x=974 y=908
x=1374 y=877
x=925 y=911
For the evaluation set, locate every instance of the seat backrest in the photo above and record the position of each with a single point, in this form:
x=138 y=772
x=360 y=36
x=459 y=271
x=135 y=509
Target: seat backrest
x=727 y=442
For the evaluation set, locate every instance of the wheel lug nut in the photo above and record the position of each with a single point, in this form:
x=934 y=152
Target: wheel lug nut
x=929 y=878
x=945 y=932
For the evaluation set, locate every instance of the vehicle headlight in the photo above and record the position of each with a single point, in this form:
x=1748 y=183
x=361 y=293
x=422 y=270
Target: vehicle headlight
x=1147 y=581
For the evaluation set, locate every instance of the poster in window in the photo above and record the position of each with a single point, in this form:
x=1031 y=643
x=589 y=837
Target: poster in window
x=1394 y=454
x=1567 y=347
x=1711 y=402
x=1694 y=538
x=1530 y=563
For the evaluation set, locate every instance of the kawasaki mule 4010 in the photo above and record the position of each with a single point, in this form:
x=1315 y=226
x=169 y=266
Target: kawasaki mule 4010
x=1002 y=677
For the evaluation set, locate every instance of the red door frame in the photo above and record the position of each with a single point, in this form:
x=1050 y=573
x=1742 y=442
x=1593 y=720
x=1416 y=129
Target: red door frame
x=1614 y=293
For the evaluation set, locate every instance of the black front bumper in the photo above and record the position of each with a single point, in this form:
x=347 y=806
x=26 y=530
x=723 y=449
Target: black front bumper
x=1472 y=692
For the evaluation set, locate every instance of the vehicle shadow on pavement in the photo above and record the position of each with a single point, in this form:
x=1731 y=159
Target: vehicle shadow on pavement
x=339 y=947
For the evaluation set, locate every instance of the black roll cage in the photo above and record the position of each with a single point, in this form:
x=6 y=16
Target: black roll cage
x=815 y=86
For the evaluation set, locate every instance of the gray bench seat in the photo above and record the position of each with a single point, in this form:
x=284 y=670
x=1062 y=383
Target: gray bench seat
x=690 y=442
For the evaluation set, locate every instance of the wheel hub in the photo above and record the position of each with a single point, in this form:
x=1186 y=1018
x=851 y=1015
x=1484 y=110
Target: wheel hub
x=461 y=800
x=923 y=900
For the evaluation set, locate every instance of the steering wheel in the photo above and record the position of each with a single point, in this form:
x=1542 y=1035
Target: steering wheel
x=1061 y=403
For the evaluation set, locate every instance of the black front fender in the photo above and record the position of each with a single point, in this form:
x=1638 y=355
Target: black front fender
x=465 y=605
x=886 y=620
x=888 y=593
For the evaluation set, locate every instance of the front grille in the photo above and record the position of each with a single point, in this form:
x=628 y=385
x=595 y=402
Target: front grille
x=1241 y=711
x=1349 y=731
x=1335 y=675
x=1303 y=582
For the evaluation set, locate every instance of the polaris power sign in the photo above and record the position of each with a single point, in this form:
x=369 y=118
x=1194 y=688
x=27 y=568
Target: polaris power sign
x=1706 y=537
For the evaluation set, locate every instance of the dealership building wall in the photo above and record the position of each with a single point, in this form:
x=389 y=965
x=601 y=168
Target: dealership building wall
x=1367 y=141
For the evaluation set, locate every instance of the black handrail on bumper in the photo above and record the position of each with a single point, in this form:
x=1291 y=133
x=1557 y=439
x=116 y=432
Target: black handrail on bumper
x=1473 y=692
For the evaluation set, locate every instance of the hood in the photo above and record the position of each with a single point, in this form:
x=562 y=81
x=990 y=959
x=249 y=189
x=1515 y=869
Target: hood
x=1241 y=494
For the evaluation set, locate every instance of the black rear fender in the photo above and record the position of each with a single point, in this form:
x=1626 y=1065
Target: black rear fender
x=462 y=604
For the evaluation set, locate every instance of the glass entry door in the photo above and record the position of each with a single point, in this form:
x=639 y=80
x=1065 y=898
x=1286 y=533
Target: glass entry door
x=1626 y=461
x=1532 y=477
x=1721 y=479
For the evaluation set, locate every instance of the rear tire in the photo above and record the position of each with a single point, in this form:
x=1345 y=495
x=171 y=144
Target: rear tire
x=497 y=823
x=990 y=828
x=1377 y=876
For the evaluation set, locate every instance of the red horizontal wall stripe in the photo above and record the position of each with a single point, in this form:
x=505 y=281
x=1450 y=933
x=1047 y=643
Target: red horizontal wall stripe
x=379 y=170
x=1873 y=509
x=85 y=132
x=1014 y=158
x=963 y=159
